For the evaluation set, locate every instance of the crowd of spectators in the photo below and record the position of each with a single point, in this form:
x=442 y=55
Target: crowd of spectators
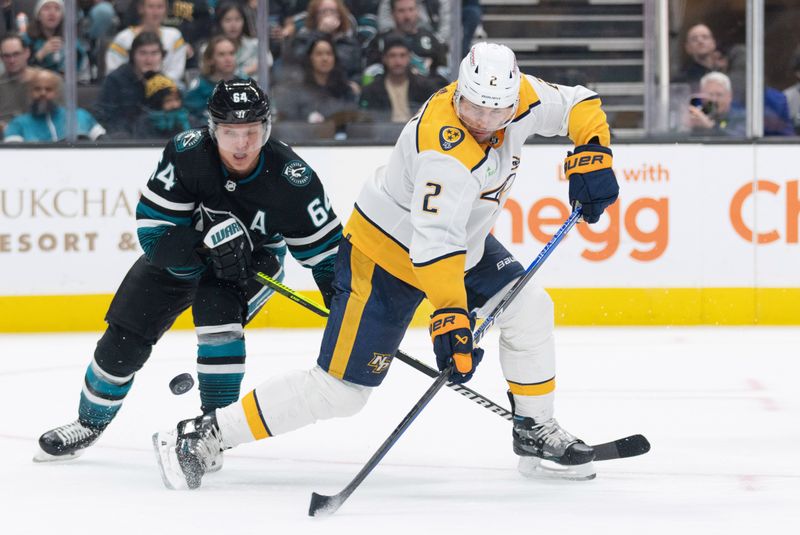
x=716 y=80
x=145 y=68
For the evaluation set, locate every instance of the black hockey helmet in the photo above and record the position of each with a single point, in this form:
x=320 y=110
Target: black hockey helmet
x=238 y=101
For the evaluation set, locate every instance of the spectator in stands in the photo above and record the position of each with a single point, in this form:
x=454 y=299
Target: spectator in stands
x=8 y=20
x=153 y=14
x=715 y=113
x=46 y=119
x=97 y=22
x=397 y=94
x=324 y=91
x=15 y=81
x=190 y=17
x=231 y=24
x=433 y=15
x=701 y=47
x=122 y=95
x=793 y=95
x=428 y=54
x=46 y=38
x=331 y=18
x=164 y=115
x=218 y=63
x=777 y=119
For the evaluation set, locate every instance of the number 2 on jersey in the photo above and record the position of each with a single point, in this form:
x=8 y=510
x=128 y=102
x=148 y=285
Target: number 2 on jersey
x=437 y=189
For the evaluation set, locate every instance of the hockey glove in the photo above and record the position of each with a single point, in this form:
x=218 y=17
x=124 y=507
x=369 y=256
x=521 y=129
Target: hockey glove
x=592 y=182
x=229 y=250
x=451 y=333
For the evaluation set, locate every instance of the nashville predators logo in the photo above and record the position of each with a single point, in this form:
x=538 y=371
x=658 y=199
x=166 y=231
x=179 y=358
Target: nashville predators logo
x=380 y=362
x=450 y=137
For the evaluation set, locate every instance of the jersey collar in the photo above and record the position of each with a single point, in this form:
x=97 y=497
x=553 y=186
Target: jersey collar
x=252 y=176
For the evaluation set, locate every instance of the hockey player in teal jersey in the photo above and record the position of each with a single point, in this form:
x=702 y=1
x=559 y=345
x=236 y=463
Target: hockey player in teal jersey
x=224 y=202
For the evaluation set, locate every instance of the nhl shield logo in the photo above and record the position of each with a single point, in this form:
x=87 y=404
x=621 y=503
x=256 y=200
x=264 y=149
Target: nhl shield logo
x=450 y=137
x=230 y=185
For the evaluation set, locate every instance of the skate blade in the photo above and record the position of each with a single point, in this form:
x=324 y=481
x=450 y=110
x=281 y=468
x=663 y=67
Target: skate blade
x=42 y=456
x=536 y=468
x=164 y=447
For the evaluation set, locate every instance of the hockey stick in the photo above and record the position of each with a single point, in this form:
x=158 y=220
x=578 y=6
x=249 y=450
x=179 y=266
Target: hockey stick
x=327 y=505
x=321 y=504
x=630 y=446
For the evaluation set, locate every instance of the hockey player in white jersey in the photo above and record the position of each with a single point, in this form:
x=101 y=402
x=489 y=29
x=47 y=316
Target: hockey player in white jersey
x=420 y=229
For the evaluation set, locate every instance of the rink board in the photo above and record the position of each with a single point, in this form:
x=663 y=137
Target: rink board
x=702 y=234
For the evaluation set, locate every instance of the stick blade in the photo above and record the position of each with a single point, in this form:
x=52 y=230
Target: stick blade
x=322 y=505
x=620 y=449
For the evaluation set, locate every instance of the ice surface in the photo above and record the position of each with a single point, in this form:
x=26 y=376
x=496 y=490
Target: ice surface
x=721 y=407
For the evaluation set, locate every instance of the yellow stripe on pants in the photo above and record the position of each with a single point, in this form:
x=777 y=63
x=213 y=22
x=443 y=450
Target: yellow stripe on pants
x=361 y=270
x=253 y=415
x=535 y=389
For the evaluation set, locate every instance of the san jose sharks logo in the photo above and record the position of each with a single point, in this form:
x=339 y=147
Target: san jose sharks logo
x=186 y=140
x=450 y=137
x=297 y=173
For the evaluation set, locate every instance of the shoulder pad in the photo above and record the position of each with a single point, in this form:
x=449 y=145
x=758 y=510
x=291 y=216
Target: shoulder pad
x=528 y=99
x=439 y=129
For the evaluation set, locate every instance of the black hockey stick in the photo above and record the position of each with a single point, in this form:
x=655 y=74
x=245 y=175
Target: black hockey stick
x=630 y=446
x=321 y=504
x=327 y=505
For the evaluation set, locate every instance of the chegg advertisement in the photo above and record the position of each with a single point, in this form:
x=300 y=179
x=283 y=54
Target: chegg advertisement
x=695 y=226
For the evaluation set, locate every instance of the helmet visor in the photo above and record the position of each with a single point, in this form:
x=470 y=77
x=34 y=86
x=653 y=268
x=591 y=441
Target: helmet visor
x=482 y=121
x=241 y=138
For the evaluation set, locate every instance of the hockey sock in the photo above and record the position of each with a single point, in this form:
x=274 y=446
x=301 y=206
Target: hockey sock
x=220 y=364
x=102 y=395
x=527 y=352
x=288 y=402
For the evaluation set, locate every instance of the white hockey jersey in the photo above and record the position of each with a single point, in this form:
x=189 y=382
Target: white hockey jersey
x=173 y=65
x=424 y=217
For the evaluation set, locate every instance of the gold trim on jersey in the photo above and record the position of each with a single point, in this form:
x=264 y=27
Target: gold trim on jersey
x=380 y=247
x=440 y=130
x=587 y=120
x=535 y=389
x=443 y=281
x=361 y=270
x=440 y=280
x=255 y=420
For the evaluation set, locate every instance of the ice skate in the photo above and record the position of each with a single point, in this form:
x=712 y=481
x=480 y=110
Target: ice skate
x=186 y=453
x=66 y=442
x=547 y=451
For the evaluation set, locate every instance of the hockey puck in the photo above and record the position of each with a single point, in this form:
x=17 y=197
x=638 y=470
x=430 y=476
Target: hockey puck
x=181 y=384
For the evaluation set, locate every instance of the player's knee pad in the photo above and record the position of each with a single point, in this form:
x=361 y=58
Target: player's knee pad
x=120 y=352
x=329 y=397
x=527 y=350
x=300 y=398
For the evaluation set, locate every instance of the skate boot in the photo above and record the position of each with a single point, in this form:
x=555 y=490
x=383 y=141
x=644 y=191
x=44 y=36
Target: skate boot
x=546 y=450
x=187 y=452
x=66 y=442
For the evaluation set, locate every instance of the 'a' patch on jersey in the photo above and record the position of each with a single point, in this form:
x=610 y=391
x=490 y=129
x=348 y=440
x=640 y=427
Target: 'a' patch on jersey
x=450 y=137
x=186 y=140
x=297 y=173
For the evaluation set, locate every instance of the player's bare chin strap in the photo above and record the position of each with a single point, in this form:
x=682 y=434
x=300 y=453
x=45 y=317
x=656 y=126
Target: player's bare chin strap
x=294 y=400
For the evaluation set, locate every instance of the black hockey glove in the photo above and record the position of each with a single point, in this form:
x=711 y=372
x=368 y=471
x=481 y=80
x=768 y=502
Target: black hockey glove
x=229 y=250
x=591 y=180
x=451 y=333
